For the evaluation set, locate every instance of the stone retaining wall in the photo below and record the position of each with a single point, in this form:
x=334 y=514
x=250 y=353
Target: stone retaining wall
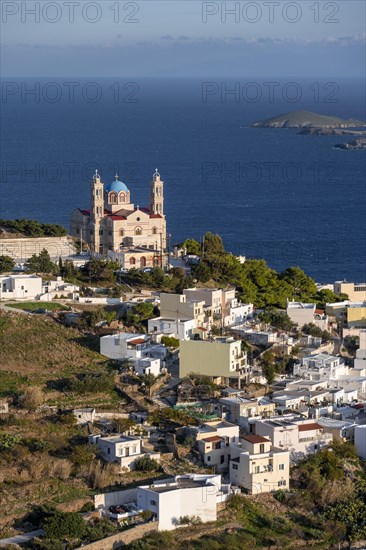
x=119 y=540
x=23 y=248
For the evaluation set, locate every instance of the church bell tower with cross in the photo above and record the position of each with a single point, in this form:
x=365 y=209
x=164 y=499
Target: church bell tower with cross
x=157 y=194
x=97 y=212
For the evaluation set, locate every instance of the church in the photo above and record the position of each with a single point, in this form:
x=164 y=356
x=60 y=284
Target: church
x=115 y=227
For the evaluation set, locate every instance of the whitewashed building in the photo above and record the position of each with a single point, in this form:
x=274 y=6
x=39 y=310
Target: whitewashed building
x=190 y=495
x=179 y=328
x=299 y=437
x=302 y=314
x=125 y=450
x=20 y=287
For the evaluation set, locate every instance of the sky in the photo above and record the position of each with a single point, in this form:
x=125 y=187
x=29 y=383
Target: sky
x=182 y=38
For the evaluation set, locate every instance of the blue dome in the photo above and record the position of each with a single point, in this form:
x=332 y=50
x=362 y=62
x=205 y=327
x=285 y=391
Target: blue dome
x=116 y=186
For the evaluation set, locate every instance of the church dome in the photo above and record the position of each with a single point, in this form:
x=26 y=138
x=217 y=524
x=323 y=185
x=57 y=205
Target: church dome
x=116 y=186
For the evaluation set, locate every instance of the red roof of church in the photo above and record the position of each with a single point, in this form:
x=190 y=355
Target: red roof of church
x=155 y=216
x=115 y=217
x=84 y=212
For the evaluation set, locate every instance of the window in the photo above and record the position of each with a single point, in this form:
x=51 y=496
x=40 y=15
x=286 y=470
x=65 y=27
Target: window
x=281 y=467
x=121 y=232
x=132 y=261
x=222 y=459
x=134 y=449
x=235 y=466
x=122 y=197
x=154 y=231
x=112 y=198
x=153 y=502
x=108 y=451
x=261 y=448
x=143 y=261
x=281 y=483
x=257 y=469
x=138 y=231
x=208 y=459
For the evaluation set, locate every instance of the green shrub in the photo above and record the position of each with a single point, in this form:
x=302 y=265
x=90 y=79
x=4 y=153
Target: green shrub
x=65 y=525
x=146 y=464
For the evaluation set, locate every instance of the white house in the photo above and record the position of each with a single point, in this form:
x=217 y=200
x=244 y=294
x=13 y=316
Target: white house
x=302 y=314
x=300 y=438
x=125 y=345
x=258 y=468
x=125 y=450
x=179 y=328
x=147 y=365
x=20 y=287
x=360 y=441
x=83 y=416
x=181 y=496
x=245 y=412
x=321 y=366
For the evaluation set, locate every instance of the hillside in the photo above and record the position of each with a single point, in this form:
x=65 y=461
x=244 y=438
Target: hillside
x=41 y=348
x=306 y=119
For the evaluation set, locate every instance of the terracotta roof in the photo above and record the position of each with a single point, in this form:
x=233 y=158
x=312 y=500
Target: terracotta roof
x=358 y=406
x=255 y=438
x=114 y=217
x=155 y=216
x=84 y=212
x=213 y=439
x=319 y=311
x=308 y=427
x=202 y=328
x=137 y=341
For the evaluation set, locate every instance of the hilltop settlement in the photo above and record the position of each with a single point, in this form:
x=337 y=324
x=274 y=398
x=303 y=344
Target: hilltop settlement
x=184 y=398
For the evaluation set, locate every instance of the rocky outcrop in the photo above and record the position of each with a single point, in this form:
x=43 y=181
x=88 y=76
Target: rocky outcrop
x=359 y=144
x=314 y=131
x=307 y=119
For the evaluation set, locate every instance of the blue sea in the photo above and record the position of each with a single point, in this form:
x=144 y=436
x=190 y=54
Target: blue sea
x=270 y=193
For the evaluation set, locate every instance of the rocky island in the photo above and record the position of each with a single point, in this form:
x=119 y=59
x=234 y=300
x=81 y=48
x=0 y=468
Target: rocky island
x=315 y=131
x=359 y=143
x=307 y=119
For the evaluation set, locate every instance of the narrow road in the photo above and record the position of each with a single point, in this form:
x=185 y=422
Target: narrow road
x=14 y=310
x=19 y=539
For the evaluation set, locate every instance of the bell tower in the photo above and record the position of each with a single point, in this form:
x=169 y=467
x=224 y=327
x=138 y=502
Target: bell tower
x=157 y=194
x=96 y=212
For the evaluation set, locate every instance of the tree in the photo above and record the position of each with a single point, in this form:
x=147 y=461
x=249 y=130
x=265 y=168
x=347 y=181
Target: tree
x=213 y=245
x=268 y=366
x=170 y=342
x=303 y=286
x=65 y=525
x=201 y=272
x=40 y=263
x=192 y=246
x=6 y=264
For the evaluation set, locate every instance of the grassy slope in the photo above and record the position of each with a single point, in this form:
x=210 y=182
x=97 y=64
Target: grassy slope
x=41 y=348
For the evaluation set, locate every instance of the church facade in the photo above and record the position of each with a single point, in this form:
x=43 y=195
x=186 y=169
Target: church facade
x=115 y=227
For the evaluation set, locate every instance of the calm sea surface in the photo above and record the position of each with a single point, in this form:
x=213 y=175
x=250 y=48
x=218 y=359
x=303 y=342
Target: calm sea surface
x=270 y=193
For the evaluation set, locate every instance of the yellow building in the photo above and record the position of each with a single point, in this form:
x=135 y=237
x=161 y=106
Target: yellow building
x=221 y=359
x=177 y=306
x=356 y=315
x=115 y=225
x=356 y=292
x=352 y=314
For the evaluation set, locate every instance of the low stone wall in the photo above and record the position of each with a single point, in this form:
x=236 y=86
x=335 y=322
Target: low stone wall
x=22 y=249
x=119 y=540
